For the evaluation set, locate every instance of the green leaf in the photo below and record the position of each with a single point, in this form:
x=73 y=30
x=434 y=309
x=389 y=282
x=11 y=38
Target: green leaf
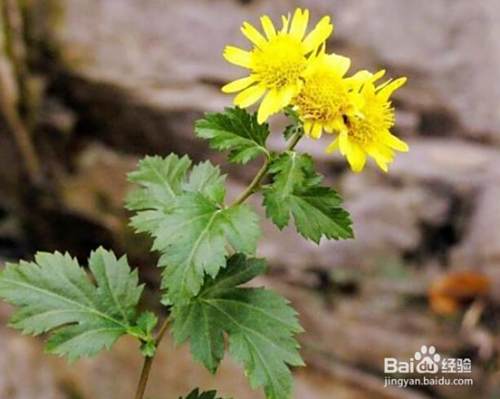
x=235 y=130
x=291 y=173
x=295 y=127
x=148 y=348
x=147 y=322
x=196 y=394
x=160 y=181
x=55 y=295
x=189 y=223
x=206 y=179
x=296 y=191
x=260 y=325
x=143 y=330
x=193 y=241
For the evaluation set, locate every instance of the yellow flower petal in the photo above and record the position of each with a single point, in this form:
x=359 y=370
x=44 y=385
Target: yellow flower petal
x=344 y=144
x=357 y=102
x=286 y=23
x=377 y=75
x=268 y=26
x=396 y=143
x=275 y=101
x=338 y=125
x=269 y=106
x=338 y=63
x=357 y=80
x=356 y=157
x=382 y=165
x=386 y=92
x=299 y=23
x=237 y=56
x=253 y=35
x=287 y=94
x=249 y=96
x=316 y=131
x=333 y=146
x=238 y=85
x=381 y=158
x=318 y=35
x=307 y=128
x=382 y=155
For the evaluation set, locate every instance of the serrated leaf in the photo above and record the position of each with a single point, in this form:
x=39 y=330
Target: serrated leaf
x=143 y=330
x=193 y=232
x=260 y=325
x=196 y=394
x=148 y=348
x=296 y=191
x=235 y=130
x=160 y=181
x=193 y=240
x=207 y=180
x=292 y=171
x=55 y=295
x=146 y=322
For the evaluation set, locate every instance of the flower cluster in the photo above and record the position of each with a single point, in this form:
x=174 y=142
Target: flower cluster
x=289 y=68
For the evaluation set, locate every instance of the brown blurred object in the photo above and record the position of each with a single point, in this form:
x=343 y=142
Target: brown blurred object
x=16 y=87
x=451 y=292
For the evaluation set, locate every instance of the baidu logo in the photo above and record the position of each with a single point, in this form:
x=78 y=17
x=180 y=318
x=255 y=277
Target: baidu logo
x=427 y=361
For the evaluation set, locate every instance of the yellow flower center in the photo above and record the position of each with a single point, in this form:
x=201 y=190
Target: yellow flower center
x=280 y=63
x=323 y=98
x=376 y=117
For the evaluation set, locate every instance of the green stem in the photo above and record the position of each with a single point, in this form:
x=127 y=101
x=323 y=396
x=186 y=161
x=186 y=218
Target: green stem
x=143 y=381
x=257 y=180
x=253 y=184
x=148 y=362
x=252 y=187
x=294 y=141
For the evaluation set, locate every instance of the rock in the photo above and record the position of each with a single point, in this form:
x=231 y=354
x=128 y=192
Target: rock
x=446 y=55
x=341 y=382
x=480 y=246
x=151 y=106
x=351 y=336
x=134 y=76
x=426 y=198
x=457 y=164
x=182 y=44
x=120 y=117
x=89 y=192
x=479 y=250
x=174 y=374
x=386 y=223
x=56 y=117
x=23 y=361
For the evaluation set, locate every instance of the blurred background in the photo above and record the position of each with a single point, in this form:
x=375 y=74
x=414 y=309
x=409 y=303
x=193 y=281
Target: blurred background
x=89 y=87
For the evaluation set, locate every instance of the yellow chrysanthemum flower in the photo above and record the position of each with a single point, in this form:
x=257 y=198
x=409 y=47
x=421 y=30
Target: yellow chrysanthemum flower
x=276 y=63
x=324 y=98
x=367 y=131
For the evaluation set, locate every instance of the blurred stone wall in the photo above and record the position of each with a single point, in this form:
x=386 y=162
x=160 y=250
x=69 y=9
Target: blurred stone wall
x=130 y=77
x=140 y=72
x=169 y=51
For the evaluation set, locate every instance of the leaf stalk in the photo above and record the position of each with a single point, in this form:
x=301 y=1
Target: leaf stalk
x=257 y=180
x=251 y=188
